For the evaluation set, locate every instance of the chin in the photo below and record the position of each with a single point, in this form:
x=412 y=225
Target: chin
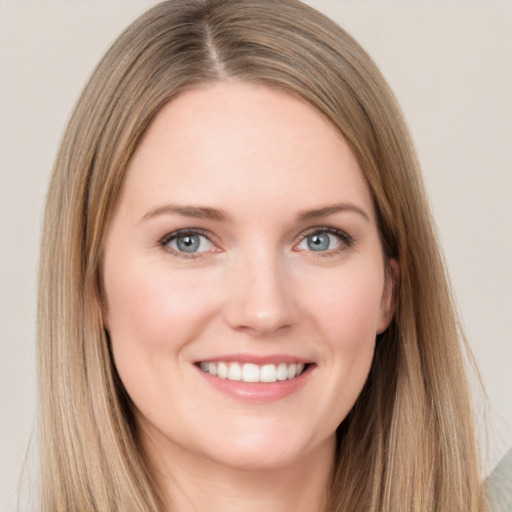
x=262 y=450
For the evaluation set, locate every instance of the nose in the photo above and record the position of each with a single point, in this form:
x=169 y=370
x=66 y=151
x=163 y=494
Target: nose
x=261 y=297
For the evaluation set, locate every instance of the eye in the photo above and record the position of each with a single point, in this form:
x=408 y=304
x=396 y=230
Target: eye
x=187 y=242
x=324 y=240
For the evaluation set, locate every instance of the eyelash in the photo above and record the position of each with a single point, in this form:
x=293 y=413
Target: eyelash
x=346 y=241
x=169 y=237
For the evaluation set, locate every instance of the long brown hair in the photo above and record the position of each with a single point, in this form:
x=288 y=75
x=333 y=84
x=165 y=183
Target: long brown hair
x=408 y=444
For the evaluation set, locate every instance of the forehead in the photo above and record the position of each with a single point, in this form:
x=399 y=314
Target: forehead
x=239 y=142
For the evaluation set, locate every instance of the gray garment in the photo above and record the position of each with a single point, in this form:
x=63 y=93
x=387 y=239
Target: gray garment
x=498 y=486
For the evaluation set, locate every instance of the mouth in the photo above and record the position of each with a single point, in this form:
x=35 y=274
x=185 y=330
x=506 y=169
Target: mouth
x=253 y=373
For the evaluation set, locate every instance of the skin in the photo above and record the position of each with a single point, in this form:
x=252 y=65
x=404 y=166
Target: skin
x=255 y=287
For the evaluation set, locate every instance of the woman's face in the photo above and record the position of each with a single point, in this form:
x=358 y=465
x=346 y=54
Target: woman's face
x=244 y=279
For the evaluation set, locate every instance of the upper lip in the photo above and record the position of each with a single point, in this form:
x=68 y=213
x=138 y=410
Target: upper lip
x=258 y=359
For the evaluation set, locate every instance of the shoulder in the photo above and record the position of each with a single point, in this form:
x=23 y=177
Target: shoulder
x=498 y=485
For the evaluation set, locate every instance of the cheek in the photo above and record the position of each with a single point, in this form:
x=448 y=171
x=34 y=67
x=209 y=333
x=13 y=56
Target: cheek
x=347 y=307
x=154 y=309
x=152 y=316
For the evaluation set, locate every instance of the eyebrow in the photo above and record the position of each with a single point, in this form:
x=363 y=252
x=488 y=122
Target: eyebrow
x=197 y=212
x=325 y=211
x=218 y=215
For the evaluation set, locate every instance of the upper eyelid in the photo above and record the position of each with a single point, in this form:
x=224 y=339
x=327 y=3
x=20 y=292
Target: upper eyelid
x=325 y=229
x=185 y=231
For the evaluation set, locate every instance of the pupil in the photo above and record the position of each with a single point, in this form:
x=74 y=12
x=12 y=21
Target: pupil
x=318 y=242
x=188 y=243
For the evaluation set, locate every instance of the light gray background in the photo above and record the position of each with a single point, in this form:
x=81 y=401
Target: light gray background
x=449 y=63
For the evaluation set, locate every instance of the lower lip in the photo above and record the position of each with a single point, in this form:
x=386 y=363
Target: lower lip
x=259 y=391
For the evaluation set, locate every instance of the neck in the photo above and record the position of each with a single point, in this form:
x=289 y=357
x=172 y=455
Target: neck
x=192 y=484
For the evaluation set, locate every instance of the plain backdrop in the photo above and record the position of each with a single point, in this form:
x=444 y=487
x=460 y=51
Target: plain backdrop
x=449 y=63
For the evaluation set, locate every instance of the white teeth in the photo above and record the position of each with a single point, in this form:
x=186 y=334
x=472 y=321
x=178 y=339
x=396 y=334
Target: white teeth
x=235 y=372
x=282 y=371
x=268 y=373
x=250 y=372
x=222 y=370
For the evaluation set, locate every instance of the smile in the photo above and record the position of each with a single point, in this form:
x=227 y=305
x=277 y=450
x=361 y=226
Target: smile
x=250 y=372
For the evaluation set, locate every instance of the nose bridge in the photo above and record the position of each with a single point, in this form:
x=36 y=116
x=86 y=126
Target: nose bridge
x=261 y=292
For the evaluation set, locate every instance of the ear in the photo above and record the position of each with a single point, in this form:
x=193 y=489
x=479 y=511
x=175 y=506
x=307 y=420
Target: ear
x=389 y=292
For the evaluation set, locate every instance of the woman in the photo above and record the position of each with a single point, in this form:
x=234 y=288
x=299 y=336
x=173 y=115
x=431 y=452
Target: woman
x=242 y=302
